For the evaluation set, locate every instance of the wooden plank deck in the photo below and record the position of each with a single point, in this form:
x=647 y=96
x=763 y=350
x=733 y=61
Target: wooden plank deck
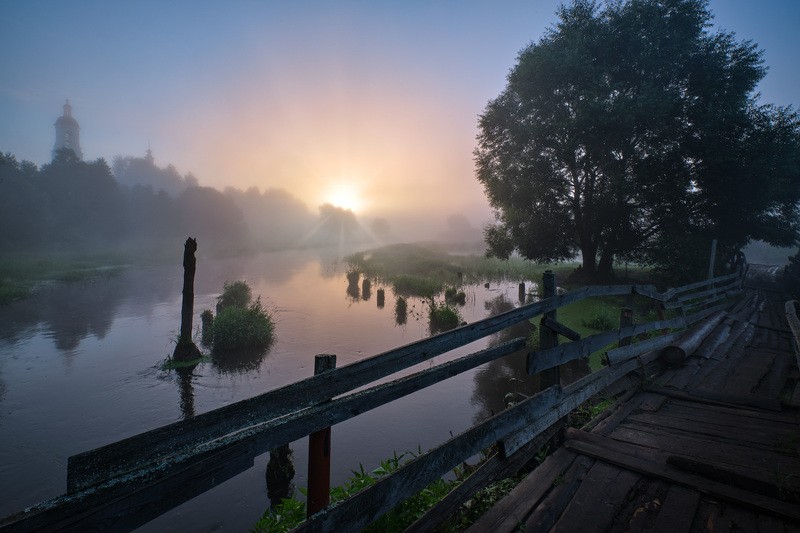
x=711 y=446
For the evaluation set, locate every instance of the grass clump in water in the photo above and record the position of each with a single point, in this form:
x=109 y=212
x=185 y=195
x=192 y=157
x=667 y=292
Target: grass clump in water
x=238 y=328
x=443 y=317
x=240 y=324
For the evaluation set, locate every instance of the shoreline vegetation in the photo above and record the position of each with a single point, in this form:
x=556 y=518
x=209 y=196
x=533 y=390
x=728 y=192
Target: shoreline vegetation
x=20 y=277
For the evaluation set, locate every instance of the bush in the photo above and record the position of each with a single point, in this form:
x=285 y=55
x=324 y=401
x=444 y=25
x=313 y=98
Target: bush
x=234 y=294
x=602 y=319
x=237 y=328
x=442 y=317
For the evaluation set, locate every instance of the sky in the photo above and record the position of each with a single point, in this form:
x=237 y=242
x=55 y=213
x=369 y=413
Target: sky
x=370 y=105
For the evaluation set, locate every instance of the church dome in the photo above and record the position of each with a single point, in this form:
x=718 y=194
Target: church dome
x=66 y=121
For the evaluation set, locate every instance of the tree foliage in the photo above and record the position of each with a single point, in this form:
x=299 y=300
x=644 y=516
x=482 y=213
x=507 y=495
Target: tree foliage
x=632 y=131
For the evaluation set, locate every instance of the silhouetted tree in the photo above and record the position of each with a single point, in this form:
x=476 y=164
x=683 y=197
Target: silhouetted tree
x=628 y=127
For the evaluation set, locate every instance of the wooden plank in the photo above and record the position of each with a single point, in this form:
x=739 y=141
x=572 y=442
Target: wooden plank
x=108 y=467
x=560 y=328
x=730 y=453
x=598 y=499
x=620 y=413
x=639 y=512
x=686 y=407
x=630 y=456
x=713 y=398
x=506 y=514
x=263 y=437
x=551 y=357
x=496 y=467
x=772 y=385
x=618 y=355
x=117 y=508
x=704 y=283
x=678 y=510
x=724 y=475
x=547 y=513
x=724 y=428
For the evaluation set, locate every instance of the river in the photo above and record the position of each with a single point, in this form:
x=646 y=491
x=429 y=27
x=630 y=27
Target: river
x=80 y=368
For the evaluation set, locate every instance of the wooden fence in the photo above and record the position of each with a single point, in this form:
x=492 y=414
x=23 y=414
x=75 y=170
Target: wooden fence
x=127 y=483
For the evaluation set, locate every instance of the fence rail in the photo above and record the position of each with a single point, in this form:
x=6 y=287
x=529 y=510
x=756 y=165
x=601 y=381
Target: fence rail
x=127 y=483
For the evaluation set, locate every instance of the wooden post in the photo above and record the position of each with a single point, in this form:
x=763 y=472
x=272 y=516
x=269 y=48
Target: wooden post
x=547 y=337
x=522 y=293
x=712 y=259
x=319 y=452
x=625 y=320
x=185 y=349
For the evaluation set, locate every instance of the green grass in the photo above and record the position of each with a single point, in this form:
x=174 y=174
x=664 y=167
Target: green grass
x=243 y=328
x=398 y=263
x=291 y=512
x=19 y=277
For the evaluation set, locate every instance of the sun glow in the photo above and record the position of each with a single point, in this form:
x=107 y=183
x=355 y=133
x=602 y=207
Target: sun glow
x=346 y=197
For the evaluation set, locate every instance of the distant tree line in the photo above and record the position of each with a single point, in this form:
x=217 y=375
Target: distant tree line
x=79 y=206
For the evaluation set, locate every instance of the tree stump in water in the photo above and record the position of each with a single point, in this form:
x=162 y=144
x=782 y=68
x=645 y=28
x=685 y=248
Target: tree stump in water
x=186 y=350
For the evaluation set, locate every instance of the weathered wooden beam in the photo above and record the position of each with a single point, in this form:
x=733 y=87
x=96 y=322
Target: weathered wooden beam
x=560 y=328
x=496 y=467
x=543 y=359
x=619 y=355
x=647 y=461
x=704 y=283
x=715 y=398
x=368 y=505
x=253 y=440
x=674 y=354
x=686 y=297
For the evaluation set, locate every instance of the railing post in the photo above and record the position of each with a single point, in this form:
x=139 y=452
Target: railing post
x=712 y=259
x=319 y=452
x=625 y=320
x=547 y=337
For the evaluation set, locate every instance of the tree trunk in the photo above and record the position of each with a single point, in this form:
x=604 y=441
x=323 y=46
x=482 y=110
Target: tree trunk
x=605 y=267
x=186 y=350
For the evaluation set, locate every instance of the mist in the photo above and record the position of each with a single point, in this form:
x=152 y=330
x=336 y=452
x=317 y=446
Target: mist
x=69 y=205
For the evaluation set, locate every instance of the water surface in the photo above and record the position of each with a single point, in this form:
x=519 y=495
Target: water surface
x=79 y=368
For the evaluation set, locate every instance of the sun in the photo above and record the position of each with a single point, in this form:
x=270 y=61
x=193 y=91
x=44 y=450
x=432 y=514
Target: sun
x=345 y=196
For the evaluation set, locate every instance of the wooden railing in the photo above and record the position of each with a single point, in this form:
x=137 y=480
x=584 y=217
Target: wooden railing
x=127 y=483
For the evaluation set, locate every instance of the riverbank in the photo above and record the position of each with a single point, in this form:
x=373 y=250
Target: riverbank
x=21 y=276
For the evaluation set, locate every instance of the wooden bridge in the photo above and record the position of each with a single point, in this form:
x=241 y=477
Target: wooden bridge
x=710 y=441
x=710 y=446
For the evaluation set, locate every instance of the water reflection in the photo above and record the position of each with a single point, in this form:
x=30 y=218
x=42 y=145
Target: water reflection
x=238 y=361
x=280 y=474
x=70 y=312
x=400 y=311
x=506 y=380
x=381 y=298
x=353 y=290
x=366 y=289
x=185 y=375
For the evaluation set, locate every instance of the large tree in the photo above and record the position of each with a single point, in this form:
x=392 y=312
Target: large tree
x=629 y=128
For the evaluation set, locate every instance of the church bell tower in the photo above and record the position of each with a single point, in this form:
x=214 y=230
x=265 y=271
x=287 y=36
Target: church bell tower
x=68 y=133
